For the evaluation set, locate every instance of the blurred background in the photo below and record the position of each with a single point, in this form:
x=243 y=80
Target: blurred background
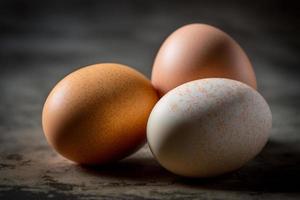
x=42 y=41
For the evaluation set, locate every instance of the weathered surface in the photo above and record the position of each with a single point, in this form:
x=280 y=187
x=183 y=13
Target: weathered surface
x=41 y=42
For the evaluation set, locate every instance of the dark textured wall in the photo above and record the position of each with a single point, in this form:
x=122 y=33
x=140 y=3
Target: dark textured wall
x=42 y=41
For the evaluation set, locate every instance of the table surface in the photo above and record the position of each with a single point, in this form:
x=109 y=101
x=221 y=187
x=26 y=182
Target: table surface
x=42 y=41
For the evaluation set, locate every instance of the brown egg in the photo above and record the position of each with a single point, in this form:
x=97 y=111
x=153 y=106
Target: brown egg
x=199 y=51
x=98 y=114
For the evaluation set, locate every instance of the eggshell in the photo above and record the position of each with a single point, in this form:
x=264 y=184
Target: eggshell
x=198 y=51
x=99 y=113
x=208 y=127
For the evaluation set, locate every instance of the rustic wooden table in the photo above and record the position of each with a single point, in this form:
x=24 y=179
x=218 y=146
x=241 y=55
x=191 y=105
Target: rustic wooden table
x=42 y=41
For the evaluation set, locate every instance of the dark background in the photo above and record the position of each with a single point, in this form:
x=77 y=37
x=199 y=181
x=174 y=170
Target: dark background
x=42 y=41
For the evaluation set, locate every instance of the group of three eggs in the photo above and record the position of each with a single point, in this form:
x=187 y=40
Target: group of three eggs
x=201 y=113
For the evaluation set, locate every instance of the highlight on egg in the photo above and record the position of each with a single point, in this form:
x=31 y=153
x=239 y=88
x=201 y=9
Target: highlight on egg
x=198 y=51
x=208 y=127
x=98 y=114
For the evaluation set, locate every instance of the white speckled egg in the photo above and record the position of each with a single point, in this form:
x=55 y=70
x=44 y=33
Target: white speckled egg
x=208 y=127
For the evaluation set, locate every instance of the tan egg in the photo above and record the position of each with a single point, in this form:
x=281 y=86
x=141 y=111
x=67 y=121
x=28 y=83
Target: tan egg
x=98 y=114
x=199 y=51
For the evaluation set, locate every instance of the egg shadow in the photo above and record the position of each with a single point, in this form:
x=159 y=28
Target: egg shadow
x=141 y=170
x=275 y=170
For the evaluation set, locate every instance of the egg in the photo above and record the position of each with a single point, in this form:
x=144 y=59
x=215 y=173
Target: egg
x=98 y=114
x=208 y=127
x=198 y=51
